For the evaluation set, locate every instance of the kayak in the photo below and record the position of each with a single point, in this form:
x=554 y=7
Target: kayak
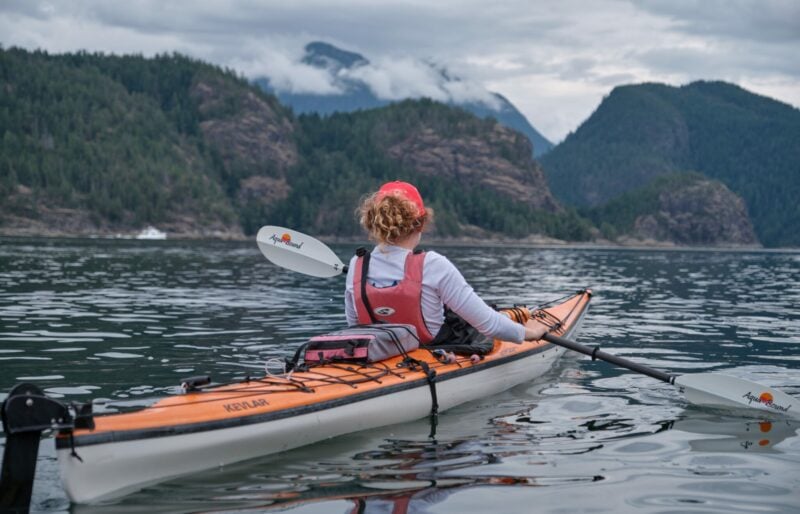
x=102 y=456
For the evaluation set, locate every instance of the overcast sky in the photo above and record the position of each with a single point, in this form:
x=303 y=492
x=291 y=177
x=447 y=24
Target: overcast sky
x=554 y=60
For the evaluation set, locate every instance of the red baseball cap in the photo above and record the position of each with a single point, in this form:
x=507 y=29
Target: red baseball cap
x=405 y=190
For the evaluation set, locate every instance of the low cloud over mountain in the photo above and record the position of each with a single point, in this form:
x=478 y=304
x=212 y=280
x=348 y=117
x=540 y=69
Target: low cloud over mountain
x=327 y=70
x=327 y=79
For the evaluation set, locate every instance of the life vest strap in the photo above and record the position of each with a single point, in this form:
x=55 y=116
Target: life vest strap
x=365 y=256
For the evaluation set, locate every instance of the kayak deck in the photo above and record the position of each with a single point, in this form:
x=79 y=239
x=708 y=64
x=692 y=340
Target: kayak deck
x=275 y=396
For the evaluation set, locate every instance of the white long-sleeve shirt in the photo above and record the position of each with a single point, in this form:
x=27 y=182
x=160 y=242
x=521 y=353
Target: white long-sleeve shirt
x=442 y=284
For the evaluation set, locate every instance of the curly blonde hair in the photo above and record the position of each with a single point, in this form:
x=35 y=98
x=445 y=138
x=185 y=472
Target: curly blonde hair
x=390 y=218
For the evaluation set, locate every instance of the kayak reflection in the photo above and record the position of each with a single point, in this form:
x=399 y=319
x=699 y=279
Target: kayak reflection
x=369 y=473
x=399 y=477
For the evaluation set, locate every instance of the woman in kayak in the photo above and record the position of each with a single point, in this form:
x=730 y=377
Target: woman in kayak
x=397 y=283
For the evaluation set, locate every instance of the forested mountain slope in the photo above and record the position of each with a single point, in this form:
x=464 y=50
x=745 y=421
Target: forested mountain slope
x=96 y=145
x=748 y=142
x=479 y=175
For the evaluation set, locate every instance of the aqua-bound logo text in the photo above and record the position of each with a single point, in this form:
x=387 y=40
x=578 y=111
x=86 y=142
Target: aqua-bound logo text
x=285 y=239
x=765 y=399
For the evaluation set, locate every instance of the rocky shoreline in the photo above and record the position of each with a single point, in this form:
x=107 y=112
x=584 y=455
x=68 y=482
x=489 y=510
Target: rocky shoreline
x=35 y=232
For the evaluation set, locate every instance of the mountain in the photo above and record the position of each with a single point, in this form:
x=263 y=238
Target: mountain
x=749 y=143
x=479 y=175
x=683 y=209
x=356 y=94
x=99 y=145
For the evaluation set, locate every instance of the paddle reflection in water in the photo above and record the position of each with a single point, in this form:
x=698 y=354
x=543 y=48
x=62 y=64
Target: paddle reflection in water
x=723 y=435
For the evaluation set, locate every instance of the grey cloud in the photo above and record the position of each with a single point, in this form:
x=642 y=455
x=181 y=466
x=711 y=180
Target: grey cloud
x=577 y=69
x=615 y=79
x=439 y=29
x=725 y=63
x=34 y=9
x=758 y=20
x=563 y=52
x=387 y=78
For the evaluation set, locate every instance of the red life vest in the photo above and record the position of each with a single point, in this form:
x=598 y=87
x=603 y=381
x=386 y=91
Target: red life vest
x=400 y=303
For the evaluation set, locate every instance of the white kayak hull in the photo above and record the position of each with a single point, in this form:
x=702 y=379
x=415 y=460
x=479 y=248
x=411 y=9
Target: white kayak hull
x=114 y=469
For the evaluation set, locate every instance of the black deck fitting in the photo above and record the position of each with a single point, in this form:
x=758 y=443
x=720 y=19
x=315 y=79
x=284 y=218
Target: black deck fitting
x=26 y=413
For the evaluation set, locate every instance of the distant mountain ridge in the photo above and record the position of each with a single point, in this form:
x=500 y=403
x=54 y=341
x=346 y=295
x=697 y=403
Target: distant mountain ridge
x=748 y=142
x=357 y=94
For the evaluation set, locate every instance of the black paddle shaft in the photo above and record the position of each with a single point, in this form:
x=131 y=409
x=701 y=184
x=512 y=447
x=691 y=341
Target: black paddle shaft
x=596 y=353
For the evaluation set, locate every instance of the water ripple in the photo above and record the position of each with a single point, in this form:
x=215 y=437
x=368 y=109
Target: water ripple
x=124 y=321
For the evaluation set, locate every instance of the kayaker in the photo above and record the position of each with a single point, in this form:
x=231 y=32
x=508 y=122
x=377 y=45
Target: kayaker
x=402 y=284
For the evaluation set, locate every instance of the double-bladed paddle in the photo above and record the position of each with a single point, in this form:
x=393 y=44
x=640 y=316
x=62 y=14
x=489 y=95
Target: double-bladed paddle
x=710 y=389
x=304 y=254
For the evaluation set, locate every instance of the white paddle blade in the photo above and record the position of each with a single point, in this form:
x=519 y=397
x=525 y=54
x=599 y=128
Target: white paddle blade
x=725 y=391
x=298 y=252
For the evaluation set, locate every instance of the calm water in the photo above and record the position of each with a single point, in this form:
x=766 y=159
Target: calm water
x=123 y=321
